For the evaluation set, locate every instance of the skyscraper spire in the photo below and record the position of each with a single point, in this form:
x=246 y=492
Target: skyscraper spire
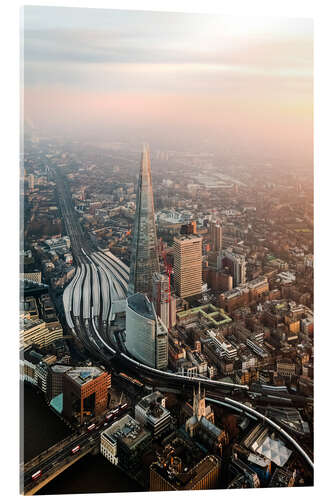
x=144 y=254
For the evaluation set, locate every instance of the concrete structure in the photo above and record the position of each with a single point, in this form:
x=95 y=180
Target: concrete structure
x=203 y=476
x=144 y=252
x=188 y=265
x=160 y=297
x=124 y=442
x=146 y=334
x=85 y=392
x=37 y=332
x=151 y=412
x=215 y=231
x=236 y=265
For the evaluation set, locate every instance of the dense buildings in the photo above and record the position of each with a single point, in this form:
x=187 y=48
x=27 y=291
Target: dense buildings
x=144 y=253
x=249 y=319
x=188 y=265
x=146 y=334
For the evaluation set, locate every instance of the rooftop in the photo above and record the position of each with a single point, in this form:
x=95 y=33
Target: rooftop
x=82 y=375
x=141 y=305
x=127 y=430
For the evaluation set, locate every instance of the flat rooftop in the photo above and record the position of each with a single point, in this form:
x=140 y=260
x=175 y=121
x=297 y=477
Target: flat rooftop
x=127 y=430
x=141 y=305
x=84 y=374
x=189 y=237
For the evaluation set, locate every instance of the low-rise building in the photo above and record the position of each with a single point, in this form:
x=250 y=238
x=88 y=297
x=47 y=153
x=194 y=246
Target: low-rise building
x=124 y=442
x=151 y=412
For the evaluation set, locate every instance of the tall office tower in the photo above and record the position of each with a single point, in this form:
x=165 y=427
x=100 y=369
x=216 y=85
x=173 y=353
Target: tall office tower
x=146 y=334
x=160 y=296
x=144 y=253
x=188 y=265
x=216 y=236
x=236 y=265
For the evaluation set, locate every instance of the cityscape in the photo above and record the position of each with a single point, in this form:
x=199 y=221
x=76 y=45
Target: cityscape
x=166 y=314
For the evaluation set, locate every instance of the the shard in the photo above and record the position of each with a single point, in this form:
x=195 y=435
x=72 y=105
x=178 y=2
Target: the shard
x=144 y=253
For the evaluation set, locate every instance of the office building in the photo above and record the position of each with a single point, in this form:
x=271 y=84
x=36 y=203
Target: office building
x=161 y=297
x=234 y=264
x=85 y=392
x=151 y=412
x=144 y=251
x=146 y=334
x=188 y=265
x=124 y=442
x=215 y=232
x=36 y=332
x=173 y=476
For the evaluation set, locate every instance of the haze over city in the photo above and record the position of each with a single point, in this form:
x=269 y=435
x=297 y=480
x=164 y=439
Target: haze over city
x=236 y=86
x=167 y=255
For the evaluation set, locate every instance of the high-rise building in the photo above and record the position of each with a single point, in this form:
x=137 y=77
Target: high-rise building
x=188 y=265
x=160 y=296
x=146 y=334
x=144 y=252
x=236 y=265
x=216 y=236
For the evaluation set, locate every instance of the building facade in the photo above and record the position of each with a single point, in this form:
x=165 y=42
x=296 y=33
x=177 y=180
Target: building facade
x=85 y=393
x=144 y=251
x=160 y=297
x=188 y=265
x=151 y=412
x=215 y=231
x=146 y=334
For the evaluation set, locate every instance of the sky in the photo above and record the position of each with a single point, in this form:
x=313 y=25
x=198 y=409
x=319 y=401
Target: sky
x=228 y=84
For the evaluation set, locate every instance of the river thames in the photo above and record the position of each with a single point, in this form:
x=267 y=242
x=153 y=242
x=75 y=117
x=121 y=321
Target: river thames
x=91 y=474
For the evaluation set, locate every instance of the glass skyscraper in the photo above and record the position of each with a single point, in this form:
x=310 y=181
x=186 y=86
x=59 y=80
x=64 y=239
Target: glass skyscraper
x=144 y=253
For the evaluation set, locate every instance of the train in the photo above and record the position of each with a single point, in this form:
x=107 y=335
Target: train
x=132 y=380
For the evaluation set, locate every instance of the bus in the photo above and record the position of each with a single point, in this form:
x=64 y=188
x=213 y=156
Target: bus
x=91 y=427
x=76 y=449
x=36 y=475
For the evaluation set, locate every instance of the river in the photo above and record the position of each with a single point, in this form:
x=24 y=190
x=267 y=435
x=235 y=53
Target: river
x=91 y=474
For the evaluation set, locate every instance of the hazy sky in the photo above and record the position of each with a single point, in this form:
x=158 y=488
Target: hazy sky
x=232 y=83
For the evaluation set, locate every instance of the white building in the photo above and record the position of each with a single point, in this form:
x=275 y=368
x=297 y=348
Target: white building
x=151 y=412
